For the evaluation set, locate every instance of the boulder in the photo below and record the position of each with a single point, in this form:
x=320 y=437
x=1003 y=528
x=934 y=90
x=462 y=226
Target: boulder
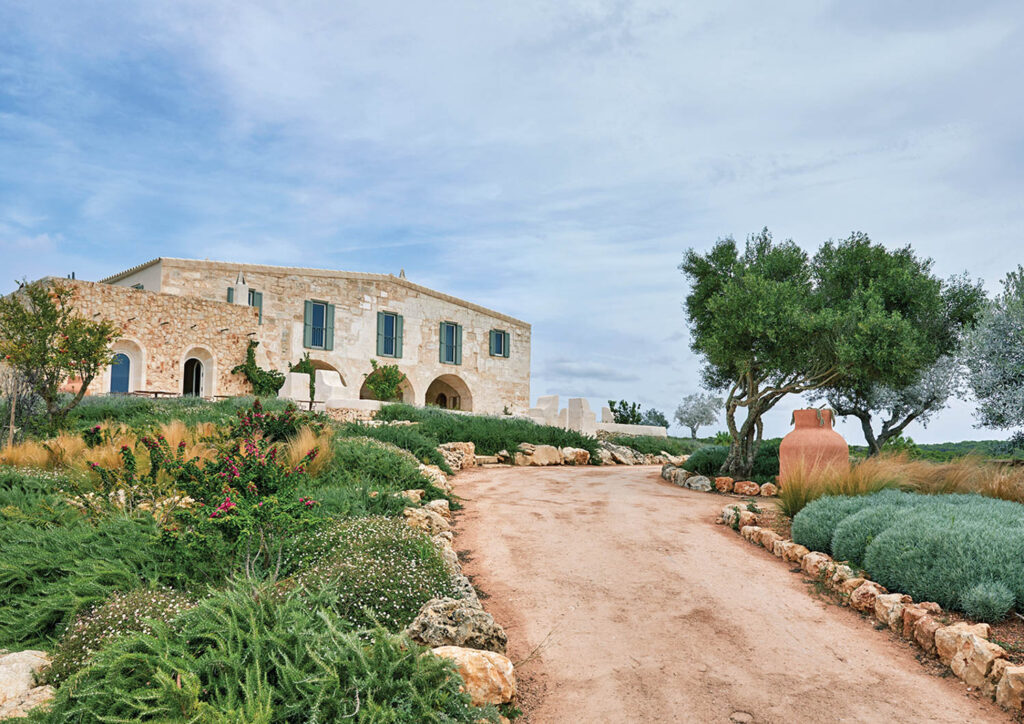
x=794 y=553
x=730 y=513
x=850 y=585
x=413 y=496
x=538 y=455
x=18 y=692
x=973 y=659
x=426 y=520
x=439 y=506
x=698 y=482
x=676 y=460
x=767 y=538
x=488 y=677
x=948 y=638
x=1010 y=690
x=436 y=477
x=667 y=469
x=863 y=597
x=724 y=484
x=456 y=622
x=575 y=456
x=746 y=487
x=750 y=532
x=746 y=518
x=605 y=457
x=621 y=454
x=924 y=632
x=889 y=607
x=815 y=564
x=467 y=449
x=769 y=489
x=995 y=675
x=912 y=612
x=679 y=476
x=780 y=547
x=451 y=558
x=840 y=572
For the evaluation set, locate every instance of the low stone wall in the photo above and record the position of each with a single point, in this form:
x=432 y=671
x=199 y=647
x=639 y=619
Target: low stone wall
x=678 y=475
x=963 y=647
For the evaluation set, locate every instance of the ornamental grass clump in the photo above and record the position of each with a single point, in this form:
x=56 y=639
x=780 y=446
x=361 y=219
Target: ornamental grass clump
x=120 y=614
x=248 y=654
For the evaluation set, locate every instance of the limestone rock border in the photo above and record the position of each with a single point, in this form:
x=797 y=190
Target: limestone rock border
x=962 y=646
x=678 y=475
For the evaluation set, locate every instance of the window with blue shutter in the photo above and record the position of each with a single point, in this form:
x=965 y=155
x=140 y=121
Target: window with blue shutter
x=451 y=343
x=389 y=334
x=231 y=295
x=318 y=326
x=256 y=300
x=499 y=343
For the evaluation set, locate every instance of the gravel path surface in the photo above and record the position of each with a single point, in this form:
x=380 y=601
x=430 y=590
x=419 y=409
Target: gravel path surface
x=632 y=606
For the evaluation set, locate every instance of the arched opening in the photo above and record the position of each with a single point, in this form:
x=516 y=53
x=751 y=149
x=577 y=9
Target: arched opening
x=405 y=391
x=198 y=373
x=330 y=384
x=449 y=392
x=120 y=374
x=193 y=385
x=126 y=373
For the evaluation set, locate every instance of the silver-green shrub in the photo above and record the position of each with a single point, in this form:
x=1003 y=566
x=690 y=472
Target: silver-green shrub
x=987 y=601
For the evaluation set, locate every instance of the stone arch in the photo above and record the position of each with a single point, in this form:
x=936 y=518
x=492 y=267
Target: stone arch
x=136 y=354
x=201 y=383
x=450 y=392
x=408 y=394
x=319 y=364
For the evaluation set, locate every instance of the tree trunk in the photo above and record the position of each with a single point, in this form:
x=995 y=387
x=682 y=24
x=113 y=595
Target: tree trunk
x=693 y=432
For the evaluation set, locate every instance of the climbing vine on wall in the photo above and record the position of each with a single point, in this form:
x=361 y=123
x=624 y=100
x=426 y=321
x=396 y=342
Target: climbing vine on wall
x=265 y=383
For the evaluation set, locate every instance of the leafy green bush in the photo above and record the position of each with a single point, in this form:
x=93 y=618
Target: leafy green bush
x=987 y=601
x=30 y=496
x=708 y=460
x=120 y=614
x=380 y=570
x=367 y=464
x=489 y=434
x=856 y=531
x=265 y=383
x=649 y=445
x=408 y=437
x=246 y=656
x=142 y=413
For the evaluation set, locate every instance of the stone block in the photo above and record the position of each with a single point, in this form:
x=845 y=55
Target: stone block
x=768 y=490
x=724 y=484
x=924 y=632
x=814 y=564
x=746 y=487
x=948 y=638
x=863 y=597
x=973 y=659
x=1010 y=690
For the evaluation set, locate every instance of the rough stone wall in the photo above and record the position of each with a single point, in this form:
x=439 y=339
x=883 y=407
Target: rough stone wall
x=159 y=331
x=493 y=382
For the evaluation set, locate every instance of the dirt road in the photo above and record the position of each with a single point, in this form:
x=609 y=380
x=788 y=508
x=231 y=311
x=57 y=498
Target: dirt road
x=644 y=611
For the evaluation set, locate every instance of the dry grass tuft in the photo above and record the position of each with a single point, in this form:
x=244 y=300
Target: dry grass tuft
x=305 y=440
x=967 y=475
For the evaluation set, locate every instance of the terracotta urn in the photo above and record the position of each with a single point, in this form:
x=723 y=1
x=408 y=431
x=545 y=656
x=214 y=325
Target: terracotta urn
x=812 y=444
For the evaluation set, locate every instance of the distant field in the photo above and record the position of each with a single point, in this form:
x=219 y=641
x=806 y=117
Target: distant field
x=945 y=451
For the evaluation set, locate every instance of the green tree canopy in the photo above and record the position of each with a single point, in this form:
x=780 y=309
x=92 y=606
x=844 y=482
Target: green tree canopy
x=47 y=342
x=770 y=321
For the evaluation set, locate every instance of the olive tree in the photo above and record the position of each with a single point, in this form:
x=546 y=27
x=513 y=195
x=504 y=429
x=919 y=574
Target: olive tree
x=770 y=321
x=895 y=408
x=995 y=357
x=697 y=410
x=48 y=343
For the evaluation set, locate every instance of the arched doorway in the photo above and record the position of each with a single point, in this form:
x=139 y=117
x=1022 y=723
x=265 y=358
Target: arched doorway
x=405 y=392
x=193 y=384
x=120 y=374
x=449 y=392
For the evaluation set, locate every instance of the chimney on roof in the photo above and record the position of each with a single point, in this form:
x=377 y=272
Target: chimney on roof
x=401 y=273
x=241 y=293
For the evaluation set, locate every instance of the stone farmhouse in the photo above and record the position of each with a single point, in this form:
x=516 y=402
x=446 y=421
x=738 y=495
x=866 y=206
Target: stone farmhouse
x=186 y=323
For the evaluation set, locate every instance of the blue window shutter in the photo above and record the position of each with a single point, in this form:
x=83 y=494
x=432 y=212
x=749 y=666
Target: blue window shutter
x=398 y=335
x=231 y=295
x=380 y=334
x=442 y=347
x=257 y=301
x=458 y=344
x=307 y=328
x=329 y=328
x=504 y=343
x=490 y=342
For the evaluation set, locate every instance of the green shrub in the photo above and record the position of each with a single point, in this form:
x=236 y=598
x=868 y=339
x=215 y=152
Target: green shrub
x=987 y=601
x=143 y=413
x=854 y=532
x=367 y=463
x=380 y=570
x=708 y=460
x=120 y=614
x=48 y=575
x=265 y=383
x=31 y=496
x=815 y=525
x=489 y=434
x=246 y=656
x=408 y=437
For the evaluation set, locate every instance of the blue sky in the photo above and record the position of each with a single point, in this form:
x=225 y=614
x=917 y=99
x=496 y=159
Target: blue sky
x=550 y=160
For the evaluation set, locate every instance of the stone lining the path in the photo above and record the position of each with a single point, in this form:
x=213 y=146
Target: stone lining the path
x=676 y=474
x=963 y=647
